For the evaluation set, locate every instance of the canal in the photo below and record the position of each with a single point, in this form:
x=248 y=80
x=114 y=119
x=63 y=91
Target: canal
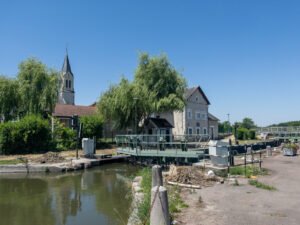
x=99 y=196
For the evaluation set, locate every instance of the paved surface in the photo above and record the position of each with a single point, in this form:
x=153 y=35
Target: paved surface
x=224 y=204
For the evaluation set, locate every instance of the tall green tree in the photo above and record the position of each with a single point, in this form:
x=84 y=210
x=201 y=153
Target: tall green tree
x=9 y=98
x=157 y=87
x=248 y=123
x=38 y=87
x=161 y=83
x=118 y=104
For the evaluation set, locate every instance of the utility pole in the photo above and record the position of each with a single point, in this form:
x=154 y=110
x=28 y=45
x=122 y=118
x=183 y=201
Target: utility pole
x=228 y=118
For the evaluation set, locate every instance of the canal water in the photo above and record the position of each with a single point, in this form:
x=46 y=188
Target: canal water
x=99 y=196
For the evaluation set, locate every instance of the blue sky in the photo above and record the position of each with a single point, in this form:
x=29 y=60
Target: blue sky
x=244 y=54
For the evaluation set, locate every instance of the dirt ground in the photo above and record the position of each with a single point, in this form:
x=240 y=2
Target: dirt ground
x=225 y=204
x=65 y=154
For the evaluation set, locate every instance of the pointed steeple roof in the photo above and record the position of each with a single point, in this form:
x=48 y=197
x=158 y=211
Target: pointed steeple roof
x=66 y=67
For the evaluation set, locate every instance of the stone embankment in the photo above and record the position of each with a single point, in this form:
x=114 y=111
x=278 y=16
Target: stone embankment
x=67 y=165
x=138 y=197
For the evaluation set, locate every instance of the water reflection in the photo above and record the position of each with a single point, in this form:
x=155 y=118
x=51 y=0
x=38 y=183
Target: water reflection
x=97 y=196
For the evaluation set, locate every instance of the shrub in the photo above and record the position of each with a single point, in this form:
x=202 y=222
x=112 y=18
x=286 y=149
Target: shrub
x=242 y=133
x=251 y=134
x=29 y=135
x=92 y=126
x=64 y=137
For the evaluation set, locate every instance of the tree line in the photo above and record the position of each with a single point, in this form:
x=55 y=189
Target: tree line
x=242 y=130
x=33 y=91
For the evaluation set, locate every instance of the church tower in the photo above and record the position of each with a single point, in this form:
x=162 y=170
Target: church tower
x=66 y=93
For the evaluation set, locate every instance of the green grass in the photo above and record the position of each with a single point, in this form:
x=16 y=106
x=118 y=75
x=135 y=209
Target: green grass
x=250 y=171
x=175 y=201
x=144 y=206
x=10 y=162
x=258 y=184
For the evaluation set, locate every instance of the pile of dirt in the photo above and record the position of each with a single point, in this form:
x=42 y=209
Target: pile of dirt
x=190 y=175
x=50 y=157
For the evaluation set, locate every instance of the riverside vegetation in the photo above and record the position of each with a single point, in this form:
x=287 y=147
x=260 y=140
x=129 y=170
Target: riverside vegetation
x=175 y=201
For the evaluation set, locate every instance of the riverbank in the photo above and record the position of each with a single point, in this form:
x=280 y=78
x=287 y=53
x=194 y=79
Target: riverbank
x=56 y=162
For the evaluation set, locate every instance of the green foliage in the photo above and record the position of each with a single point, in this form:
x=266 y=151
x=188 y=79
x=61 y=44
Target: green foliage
x=225 y=127
x=287 y=124
x=242 y=133
x=157 y=87
x=38 y=87
x=252 y=134
x=250 y=171
x=248 y=123
x=291 y=146
x=175 y=201
x=92 y=126
x=64 y=137
x=144 y=206
x=9 y=98
x=245 y=134
x=258 y=184
x=118 y=104
x=29 y=135
x=164 y=85
x=10 y=162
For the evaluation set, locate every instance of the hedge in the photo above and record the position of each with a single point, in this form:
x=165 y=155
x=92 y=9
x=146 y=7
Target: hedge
x=32 y=134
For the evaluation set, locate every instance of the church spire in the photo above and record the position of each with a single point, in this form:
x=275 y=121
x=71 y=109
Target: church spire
x=66 y=66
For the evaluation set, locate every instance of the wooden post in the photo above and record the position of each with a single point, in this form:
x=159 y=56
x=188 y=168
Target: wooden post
x=157 y=176
x=159 y=214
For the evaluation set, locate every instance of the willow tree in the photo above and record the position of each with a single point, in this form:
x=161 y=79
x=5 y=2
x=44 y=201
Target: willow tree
x=38 y=87
x=9 y=98
x=161 y=84
x=157 y=87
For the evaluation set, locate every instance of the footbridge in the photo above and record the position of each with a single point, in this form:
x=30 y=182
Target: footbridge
x=292 y=133
x=167 y=148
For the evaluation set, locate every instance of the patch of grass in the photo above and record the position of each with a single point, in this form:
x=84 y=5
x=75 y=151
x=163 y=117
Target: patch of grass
x=144 y=206
x=258 y=184
x=250 y=171
x=175 y=201
x=10 y=162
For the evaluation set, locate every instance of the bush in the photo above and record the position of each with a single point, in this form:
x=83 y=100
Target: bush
x=92 y=126
x=31 y=134
x=245 y=134
x=242 y=133
x=251 y=134
x=64 y=137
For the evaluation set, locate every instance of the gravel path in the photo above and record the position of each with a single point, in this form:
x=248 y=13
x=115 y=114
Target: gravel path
x=224 y=204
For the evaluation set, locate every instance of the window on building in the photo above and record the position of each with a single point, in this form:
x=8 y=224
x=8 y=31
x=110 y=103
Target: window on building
x=189 y=114
x=204 y=131
x=203 y=116
x=70 y=83
x=190 y=131
x=198 y=115
x=66 y=83
x=198 y=130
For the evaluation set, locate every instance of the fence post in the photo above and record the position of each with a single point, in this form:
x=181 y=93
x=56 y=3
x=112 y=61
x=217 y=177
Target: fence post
x=159 y=214
x=260 y=160
x=157 y=176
